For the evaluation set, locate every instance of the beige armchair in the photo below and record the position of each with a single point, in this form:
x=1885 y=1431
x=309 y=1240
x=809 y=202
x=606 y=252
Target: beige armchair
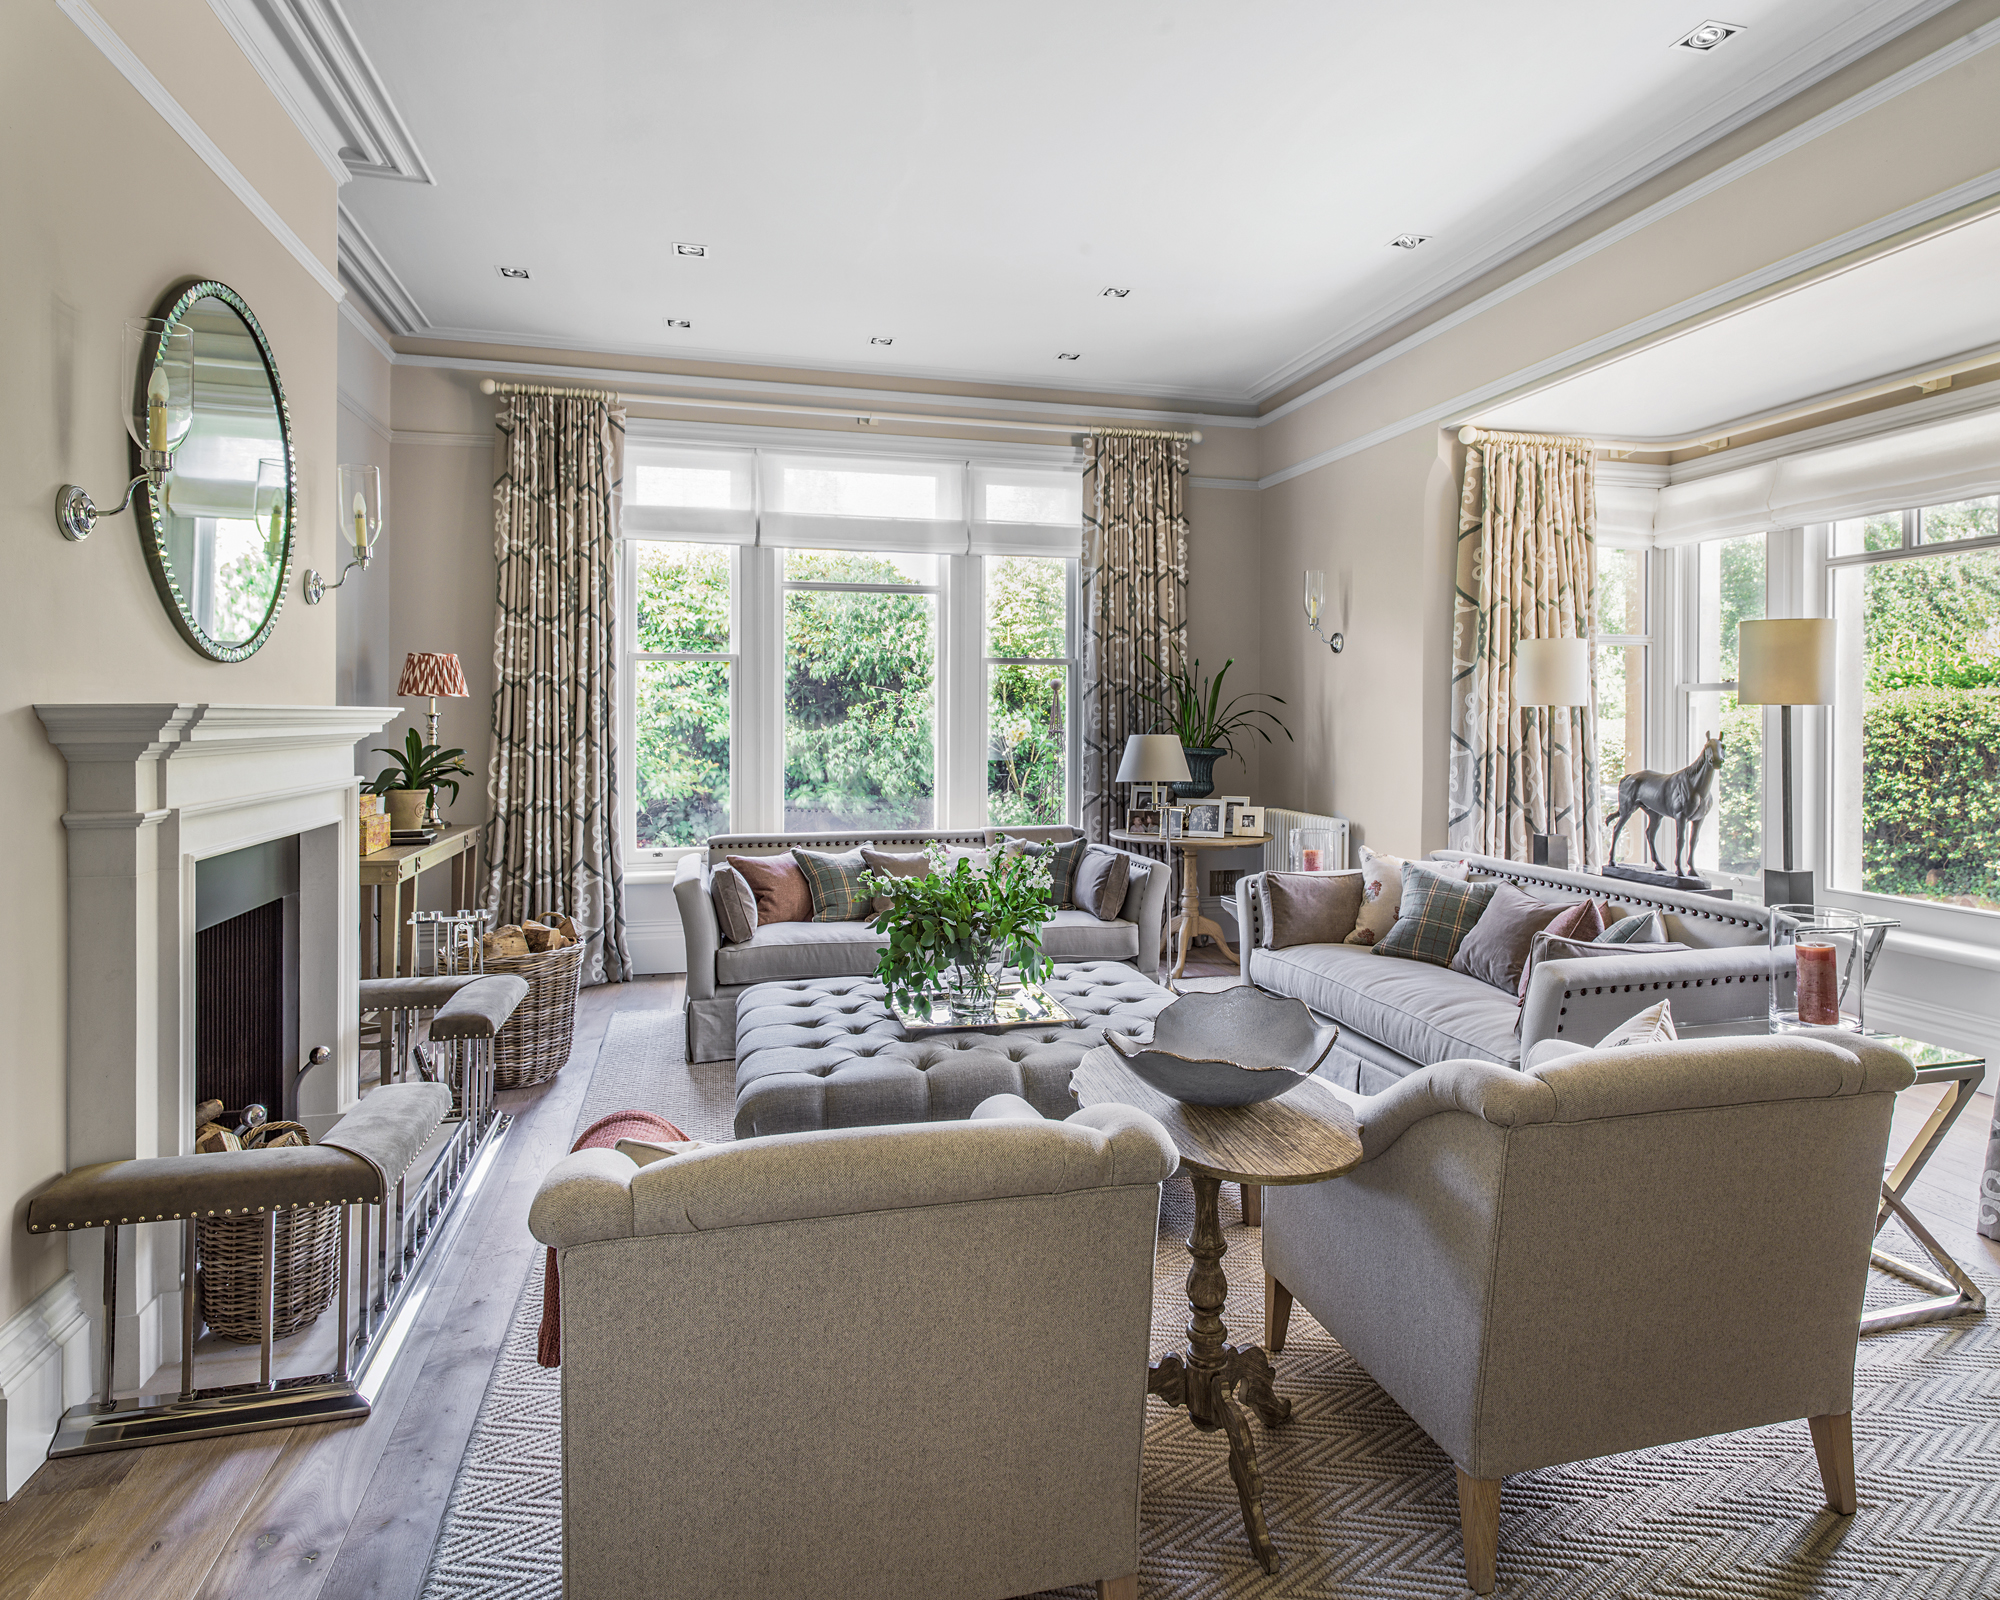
x=894 y=1362
x=1618 y=1249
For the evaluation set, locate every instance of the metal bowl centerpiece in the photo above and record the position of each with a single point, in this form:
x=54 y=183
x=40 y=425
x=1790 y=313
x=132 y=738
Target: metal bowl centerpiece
x=1234 y=1048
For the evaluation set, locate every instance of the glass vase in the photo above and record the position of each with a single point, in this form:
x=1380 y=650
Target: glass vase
x=974 y=984
x=1312 y=850
x=1819 y=967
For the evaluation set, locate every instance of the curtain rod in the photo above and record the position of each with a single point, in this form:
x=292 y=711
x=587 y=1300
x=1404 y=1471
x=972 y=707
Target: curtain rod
x=864 y=418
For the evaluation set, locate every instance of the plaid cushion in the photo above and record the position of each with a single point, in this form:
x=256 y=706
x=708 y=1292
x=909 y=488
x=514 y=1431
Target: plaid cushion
x=1061 y=856
x=1435 y=915
x=835 y=881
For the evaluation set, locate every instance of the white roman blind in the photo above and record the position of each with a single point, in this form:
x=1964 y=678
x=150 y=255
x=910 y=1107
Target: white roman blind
x=1026 y=511
x=687 y=492
x=842 y=502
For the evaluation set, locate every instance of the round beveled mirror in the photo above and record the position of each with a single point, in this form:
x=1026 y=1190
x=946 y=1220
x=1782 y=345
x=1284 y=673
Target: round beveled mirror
x=219 y=530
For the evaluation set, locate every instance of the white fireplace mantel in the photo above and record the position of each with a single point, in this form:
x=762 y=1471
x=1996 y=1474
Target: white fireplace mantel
x=154 y=789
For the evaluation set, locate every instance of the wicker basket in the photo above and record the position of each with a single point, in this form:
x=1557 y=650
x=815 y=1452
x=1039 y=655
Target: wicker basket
x=534 y=1045
x=230 y=1280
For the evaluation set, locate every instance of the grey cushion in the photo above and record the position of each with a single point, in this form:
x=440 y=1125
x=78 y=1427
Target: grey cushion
x=1099 y=885
x=1642 y=927
x=735 y=904
x=481 y=1008
x=412 y=994
x=1138 y=874
x=782 y=950
x=1424 y=1012
x=1496 y=951
x=1080 y=936
x=1308 y=907
x=889 y=865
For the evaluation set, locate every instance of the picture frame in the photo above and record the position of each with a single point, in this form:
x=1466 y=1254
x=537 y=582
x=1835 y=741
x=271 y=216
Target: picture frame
x=1248 y=820
x=1231 y=804
x=1204 y=819
x=1174 y=822
x=1142 y=819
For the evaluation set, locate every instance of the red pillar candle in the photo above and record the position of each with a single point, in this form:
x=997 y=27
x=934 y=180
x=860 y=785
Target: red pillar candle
x=1309 y=860
x=1819 y=985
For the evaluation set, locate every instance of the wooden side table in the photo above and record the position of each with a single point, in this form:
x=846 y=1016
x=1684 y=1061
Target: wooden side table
x=1190 y=924
x=393 y=875
x=1305 y=1136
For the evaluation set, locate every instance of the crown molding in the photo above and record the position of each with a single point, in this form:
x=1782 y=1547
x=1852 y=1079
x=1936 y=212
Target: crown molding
x=1875 y=95
x=359 y=409
x=352 y=316
x=643 y=431
x=310 y=56
x=154 y=93
x=376 y=280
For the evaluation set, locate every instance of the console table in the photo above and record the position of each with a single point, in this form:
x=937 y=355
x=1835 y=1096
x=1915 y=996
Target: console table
x=393 y=875
x=1190 y=924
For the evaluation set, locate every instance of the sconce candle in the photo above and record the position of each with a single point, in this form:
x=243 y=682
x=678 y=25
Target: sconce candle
x=360 y=527
x=158 y=391
x=360 y=503
x=156 y=380
x=1316 y=606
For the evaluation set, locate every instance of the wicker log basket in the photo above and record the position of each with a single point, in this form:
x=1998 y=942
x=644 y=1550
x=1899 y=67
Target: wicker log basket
x=534 y=1045
x=230 y=1279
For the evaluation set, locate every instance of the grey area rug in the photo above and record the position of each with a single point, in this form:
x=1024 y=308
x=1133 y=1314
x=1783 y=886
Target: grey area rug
x=1360 y=1501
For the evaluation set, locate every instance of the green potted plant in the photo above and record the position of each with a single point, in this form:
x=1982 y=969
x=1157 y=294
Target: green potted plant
x=1194 y=712
x=416 y=772
x=953 y=933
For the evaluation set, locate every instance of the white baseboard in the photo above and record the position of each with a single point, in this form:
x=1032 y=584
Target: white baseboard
x=44 y=1370
x=656 y=947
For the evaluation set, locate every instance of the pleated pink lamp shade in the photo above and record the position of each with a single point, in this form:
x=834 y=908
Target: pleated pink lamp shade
x=433 y=673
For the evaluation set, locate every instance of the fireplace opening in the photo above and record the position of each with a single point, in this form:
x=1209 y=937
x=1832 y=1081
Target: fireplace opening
x=247 y=979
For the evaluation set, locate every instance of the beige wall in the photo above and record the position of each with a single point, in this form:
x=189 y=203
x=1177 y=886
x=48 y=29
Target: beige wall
x=105 y=208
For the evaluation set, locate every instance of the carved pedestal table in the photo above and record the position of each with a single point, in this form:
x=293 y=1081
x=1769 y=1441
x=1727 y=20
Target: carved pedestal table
x=1306 y=1136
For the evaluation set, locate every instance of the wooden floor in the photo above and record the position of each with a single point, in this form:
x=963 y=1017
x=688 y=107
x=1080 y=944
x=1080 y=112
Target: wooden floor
x=351 y=1511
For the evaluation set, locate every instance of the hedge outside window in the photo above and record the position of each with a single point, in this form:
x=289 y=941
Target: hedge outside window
x=1030 y=676
x=679 y=671
x=1727 y=577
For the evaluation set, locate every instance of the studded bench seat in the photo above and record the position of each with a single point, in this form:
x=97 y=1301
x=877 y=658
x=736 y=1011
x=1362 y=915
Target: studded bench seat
x=825 y=1053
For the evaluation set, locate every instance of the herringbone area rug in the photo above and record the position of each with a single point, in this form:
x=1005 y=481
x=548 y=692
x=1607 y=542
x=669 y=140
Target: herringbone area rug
x=1360 y=1501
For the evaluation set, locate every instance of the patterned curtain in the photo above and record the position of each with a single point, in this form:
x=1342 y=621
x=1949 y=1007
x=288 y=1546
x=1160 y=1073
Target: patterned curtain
x=552 y=841
x=1135 y=537
x=1527 y=569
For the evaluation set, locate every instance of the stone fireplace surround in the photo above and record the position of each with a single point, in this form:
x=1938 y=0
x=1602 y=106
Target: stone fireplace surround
x=155 y=788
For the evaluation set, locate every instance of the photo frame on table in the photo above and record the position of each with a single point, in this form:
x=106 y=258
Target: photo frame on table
x=1142 y=819
x=1248 y=820
x=1231 y=804
x=1204 y=819
x=1173 y=821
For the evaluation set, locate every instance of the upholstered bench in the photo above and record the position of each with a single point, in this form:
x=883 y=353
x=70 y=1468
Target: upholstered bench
x=825 y=1053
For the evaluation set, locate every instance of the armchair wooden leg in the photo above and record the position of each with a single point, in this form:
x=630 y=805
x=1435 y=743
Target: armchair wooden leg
x=1277 y=1314
x=1479 y=1525
x=1125 y=1588
x=1253 y=1204
x=1833 y=1443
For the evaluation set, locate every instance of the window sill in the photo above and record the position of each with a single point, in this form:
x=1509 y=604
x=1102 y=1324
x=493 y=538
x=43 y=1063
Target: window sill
x=1958 y=952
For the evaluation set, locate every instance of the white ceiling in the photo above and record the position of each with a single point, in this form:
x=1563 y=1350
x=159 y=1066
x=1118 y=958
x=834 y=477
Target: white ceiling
x=1919 y=307
x=967 y=179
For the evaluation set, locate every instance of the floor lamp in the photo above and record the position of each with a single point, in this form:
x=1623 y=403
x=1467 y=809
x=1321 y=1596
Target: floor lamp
x=1549 y=673
x=1786 y=662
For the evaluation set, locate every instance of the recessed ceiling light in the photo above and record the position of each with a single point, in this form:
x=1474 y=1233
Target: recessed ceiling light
x=1116 y=294
x=1707 y=36
x=1409 y=241
x=690 y=249
x=513 y=272
x=678 y=322
x=878 y=339
x=1069 y=355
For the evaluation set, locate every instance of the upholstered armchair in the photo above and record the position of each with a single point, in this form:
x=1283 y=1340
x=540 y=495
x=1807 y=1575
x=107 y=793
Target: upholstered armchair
x=895 y=1362
x=1617 y=1249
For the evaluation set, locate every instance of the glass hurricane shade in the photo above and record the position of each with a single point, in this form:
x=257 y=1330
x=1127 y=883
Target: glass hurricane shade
x=1552 y=672
x=156 y=376
x=1153 y=758
x=1315 y=597
x=360 y=508
x=1787 y=661
x=432 y=673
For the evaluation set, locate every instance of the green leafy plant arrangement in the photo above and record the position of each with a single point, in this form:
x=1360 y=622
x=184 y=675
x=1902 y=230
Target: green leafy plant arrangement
x=957 y=929
x=1195 y=713
x=419 y=766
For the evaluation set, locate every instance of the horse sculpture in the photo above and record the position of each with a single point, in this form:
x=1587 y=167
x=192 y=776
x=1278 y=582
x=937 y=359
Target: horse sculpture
x=1687 y=796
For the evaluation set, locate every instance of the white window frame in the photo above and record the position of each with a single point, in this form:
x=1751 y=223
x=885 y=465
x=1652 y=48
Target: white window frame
x=1654 y=691
x=1072 y=661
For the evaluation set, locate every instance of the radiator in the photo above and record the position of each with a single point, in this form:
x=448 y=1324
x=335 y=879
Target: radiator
x=1281 y=825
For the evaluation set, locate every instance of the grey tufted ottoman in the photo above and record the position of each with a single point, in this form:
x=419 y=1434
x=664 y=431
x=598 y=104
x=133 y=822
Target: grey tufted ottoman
x=825 y=1053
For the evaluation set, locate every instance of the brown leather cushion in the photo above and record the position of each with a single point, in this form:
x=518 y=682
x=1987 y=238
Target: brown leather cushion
x=1309 y=907
x=779 y=885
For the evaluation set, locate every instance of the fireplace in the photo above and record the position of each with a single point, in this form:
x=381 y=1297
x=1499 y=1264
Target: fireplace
x=246 y=989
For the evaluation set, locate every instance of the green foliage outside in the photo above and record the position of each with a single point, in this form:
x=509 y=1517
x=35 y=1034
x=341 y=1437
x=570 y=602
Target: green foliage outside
x=1027 y=716
x=682 y=724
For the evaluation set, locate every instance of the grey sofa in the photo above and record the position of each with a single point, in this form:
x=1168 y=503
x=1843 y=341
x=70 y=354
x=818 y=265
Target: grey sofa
x=1613 y=1250
x=1397 y=1015
x=791 y=951
x=888 y=1362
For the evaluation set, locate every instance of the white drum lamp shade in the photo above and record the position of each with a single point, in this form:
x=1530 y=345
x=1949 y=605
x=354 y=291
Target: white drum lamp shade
x=1552 y=672
x=1153 y=758
x=1787 y=661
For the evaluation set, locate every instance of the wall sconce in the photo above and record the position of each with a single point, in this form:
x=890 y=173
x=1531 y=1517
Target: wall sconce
x=361 y=520
x=157 y=357
x=1316 y=608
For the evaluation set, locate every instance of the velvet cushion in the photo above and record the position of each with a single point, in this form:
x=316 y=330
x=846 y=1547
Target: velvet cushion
x=1308 y=907
x=1434 y=915
x=892 y=866
x=1584 y=920
x=735 y=905
x=780 y=888
x=1100 y=882
x=1496 y=950
x=835 y=882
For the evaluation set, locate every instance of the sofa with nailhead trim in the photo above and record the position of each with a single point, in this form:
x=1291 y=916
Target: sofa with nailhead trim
x=1397 y=1015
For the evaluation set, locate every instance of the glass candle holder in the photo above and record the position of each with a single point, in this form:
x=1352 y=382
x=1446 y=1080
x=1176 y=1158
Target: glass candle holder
x=1819 y=966
x=1312 y=850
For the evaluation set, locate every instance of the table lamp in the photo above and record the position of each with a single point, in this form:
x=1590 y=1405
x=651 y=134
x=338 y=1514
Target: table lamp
x=1549 y=673
x=1786 y=662
x=1153 y=759
x=432 y=673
